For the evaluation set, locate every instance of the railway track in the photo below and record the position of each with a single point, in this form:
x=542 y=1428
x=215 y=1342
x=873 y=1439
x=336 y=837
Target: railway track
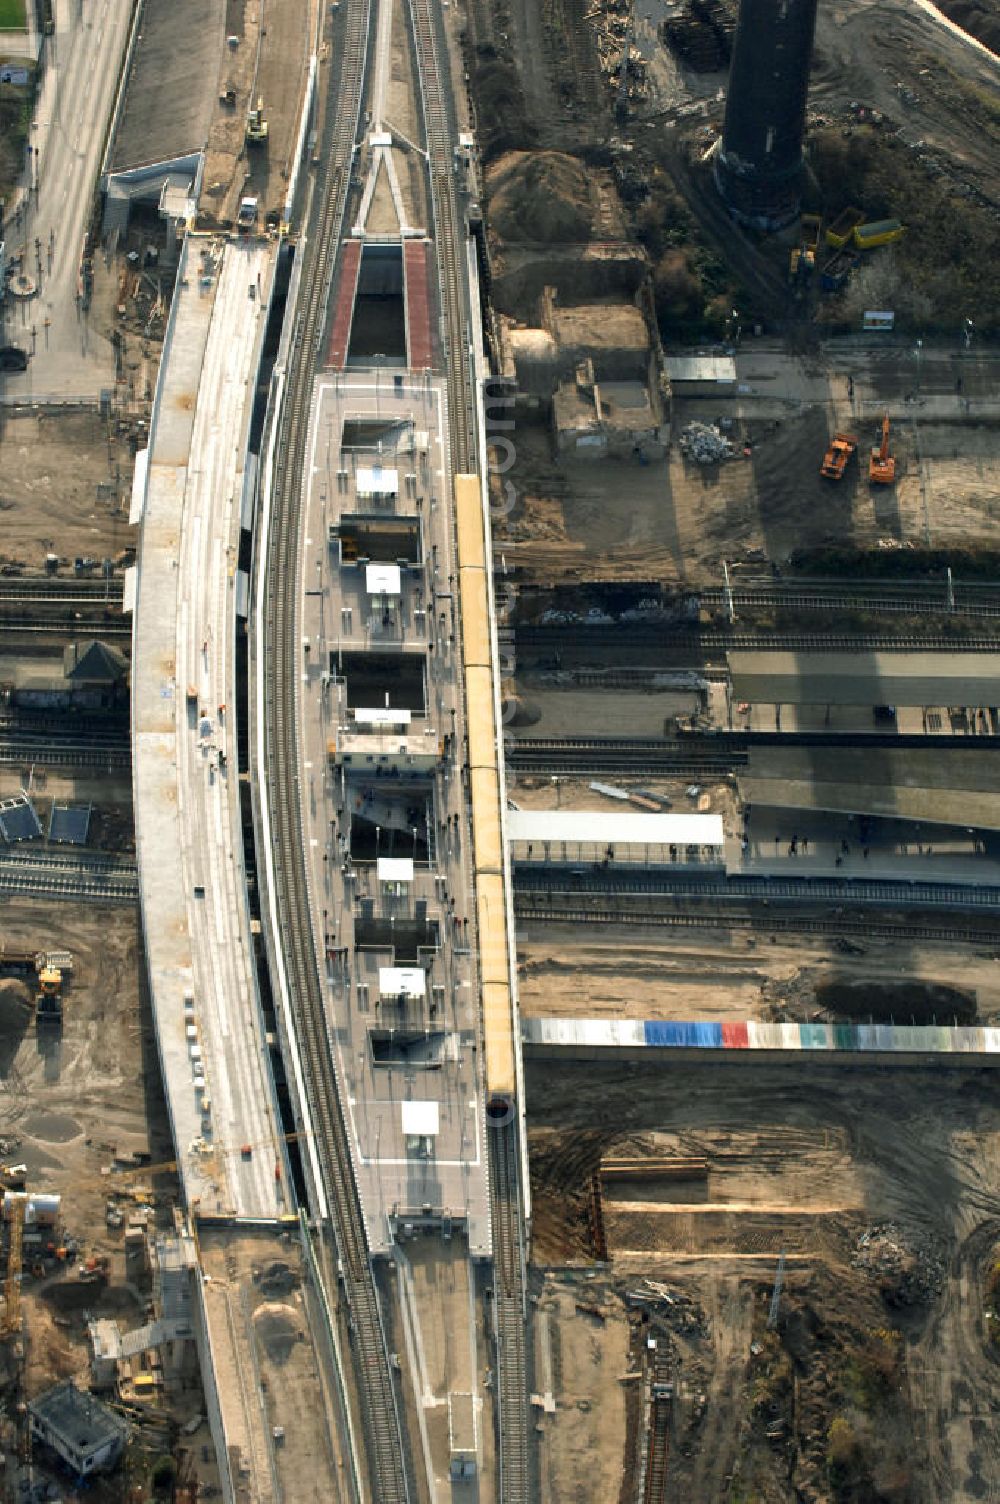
x=451 y=273
x=533 y=909
x=116 y=626
x=22 y=751
x=624 y=637
x=64 y=741
x=51 y=875
x=107 y=728
x=916 y=585
x=709 y=755
x=878 y=601
x=565 y=879
x=55 y=592
x=505 y=1206
x=658 y=1450
x=386 y=1452
x=586 y=756
x=509 y=1291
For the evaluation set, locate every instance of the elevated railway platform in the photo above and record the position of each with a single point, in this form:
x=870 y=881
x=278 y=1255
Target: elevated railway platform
x=376 y=868
x=384 y=820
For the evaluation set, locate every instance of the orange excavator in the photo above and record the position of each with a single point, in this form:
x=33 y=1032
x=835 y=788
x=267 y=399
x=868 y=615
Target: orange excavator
x=881 y=464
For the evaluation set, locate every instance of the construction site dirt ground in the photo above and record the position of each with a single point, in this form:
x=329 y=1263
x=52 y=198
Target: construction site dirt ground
x=879 y=1381
x=57 y=492
x=256 y=1275
x=266 y=61
x=719 y=972
x=673 y=520
x=71 y=1099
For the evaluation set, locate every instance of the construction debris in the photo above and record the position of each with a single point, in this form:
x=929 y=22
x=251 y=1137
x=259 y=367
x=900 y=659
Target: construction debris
x=907 y=1272
x=705 y=444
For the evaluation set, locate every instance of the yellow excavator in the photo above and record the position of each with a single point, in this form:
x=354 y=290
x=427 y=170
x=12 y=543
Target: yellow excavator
x=49 y=966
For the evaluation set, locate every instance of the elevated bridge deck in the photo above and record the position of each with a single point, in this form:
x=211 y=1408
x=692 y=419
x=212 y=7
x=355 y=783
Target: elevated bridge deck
x=199 y=946
x=193 y=888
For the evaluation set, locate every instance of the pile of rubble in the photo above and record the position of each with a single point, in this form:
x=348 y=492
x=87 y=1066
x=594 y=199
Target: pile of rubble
x=907 y=1273
x=705 y=444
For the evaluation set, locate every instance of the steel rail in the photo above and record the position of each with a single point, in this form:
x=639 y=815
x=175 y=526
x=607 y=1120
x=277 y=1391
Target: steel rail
x=915 y=585
x=62 y=592
x=66 y=861
x=107 y=727
x=386 y=1451
x=16 y=752
x=681 y=886
x=579 y=757
x=530 y=910
x=678 y=636
x=879 y=601
x=117 y=626
x=50 y=875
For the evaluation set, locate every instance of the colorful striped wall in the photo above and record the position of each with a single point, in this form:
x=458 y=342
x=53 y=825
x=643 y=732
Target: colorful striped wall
x=885 y=1039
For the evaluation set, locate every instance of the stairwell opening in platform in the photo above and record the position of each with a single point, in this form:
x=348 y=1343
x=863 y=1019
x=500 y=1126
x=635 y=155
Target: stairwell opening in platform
x=389 y=819
x=378 y=540
x=378 y=327
x=382 y=681
x=407 y=1047
x=411 y=939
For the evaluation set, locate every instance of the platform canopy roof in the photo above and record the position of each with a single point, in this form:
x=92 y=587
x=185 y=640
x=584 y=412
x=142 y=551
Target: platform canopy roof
x=611 y=827
x=421 y=1119
x=402 y=981
x=717 y=368
x=377 y=480
x=908 y=679
x=383 y=579
x=960 y=788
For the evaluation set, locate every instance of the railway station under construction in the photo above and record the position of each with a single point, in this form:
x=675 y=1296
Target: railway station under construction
x=324 y=883
x=452 y=1189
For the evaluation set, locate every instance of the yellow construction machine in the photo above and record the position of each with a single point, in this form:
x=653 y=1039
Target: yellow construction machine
x=256 y=125
x=49 y=966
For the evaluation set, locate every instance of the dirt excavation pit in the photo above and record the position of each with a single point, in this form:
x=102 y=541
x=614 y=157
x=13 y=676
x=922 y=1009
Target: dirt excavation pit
x=15 y=1006
x=878 y=1378
x=905 y=1002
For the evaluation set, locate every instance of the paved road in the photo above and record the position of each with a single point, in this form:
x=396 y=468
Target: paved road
x=73 y=112
x=933 y=382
